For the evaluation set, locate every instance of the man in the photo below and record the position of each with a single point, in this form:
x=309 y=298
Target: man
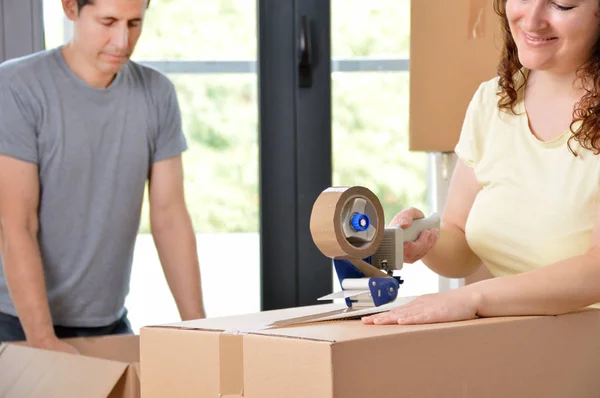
x=82 y=128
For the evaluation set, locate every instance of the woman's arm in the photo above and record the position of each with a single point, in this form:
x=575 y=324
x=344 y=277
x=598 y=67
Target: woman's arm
x=561 y=287
x=449 y=255
x=558 y=288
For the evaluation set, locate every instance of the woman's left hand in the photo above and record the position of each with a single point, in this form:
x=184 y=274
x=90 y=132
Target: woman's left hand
x=453 y=305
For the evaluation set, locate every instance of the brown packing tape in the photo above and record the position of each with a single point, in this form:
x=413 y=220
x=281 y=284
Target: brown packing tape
x=231 y=364
x=326 y=225
x=477 y=19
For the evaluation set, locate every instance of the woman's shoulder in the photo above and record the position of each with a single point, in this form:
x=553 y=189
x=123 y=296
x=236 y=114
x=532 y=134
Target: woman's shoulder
x=487 y=92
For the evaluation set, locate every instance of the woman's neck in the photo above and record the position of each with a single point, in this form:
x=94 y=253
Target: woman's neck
x=554 y=84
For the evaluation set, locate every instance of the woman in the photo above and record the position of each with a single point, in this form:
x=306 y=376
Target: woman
x=524 y=197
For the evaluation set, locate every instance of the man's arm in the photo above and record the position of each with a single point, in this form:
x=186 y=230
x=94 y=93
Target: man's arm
x=174 y=237
x=19 y=199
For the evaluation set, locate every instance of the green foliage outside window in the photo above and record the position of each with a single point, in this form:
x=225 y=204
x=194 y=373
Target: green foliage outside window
x=220 y=111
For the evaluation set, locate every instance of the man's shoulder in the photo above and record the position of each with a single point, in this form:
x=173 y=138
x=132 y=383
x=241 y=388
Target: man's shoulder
x=20 y=69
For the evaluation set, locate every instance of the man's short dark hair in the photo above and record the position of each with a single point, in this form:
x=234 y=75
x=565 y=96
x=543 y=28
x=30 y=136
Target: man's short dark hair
x=83 y=3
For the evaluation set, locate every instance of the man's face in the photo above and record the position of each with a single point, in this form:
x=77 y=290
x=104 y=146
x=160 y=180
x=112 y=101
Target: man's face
x=106 y=31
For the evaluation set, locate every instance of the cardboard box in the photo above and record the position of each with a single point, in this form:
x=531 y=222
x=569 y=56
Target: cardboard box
x=241 y=356
x=107 y=367
x=454 y=47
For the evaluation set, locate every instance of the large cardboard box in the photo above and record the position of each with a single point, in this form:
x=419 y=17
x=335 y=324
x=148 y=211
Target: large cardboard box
x=253 y=356
x=106 y=367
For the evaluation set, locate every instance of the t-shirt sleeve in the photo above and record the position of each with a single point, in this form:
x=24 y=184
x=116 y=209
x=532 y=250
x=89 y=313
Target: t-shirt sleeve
x=18 y=136
x=170 y=140
x=469 y=146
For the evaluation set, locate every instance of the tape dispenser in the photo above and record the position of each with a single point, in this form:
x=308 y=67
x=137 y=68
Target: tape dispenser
x=347 y=225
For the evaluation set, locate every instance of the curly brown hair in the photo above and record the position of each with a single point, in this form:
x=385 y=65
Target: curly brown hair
x=587 y=110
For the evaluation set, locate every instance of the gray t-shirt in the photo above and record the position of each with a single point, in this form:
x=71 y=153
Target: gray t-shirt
x=93 y=149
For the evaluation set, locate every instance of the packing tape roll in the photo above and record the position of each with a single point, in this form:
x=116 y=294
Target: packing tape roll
x=327 y=219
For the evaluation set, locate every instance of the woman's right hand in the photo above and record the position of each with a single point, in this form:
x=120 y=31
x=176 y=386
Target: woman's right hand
x=416 y=250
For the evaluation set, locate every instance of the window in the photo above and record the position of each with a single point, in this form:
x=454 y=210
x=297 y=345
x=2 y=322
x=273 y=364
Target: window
x=208 y=49
x=370 y=42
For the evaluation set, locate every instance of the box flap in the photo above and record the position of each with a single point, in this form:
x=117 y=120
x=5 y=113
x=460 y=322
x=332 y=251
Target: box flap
x=349 y=330
x=29 y=372
x=122 y=348
x=285 y=317
x=128 y=386
x=255 y=321
x=296 y=324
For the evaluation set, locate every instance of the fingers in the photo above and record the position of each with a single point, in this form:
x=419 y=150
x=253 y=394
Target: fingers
x=429 y=239
x=405 y=315
x=368 y=320
x=405 y=217
x=414 y=319
x=414 y=251
x=391 y=317
x=385 y=318
x=376 y=318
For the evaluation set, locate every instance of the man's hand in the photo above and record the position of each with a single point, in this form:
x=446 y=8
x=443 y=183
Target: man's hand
x=55 y=344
